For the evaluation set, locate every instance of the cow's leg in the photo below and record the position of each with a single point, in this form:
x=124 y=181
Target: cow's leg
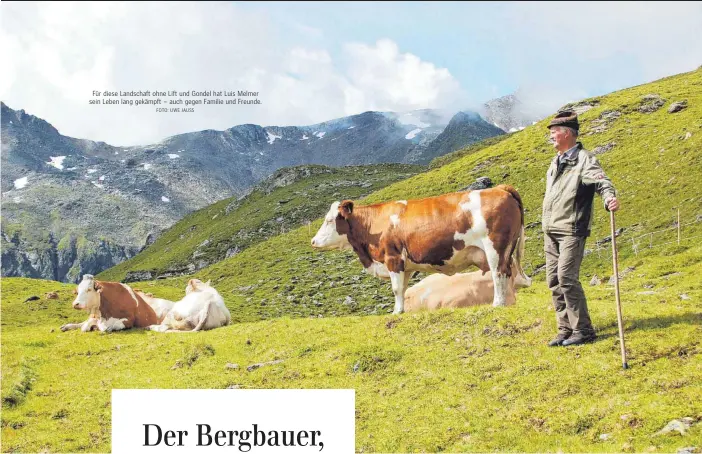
x=499 y=277
x=70 y=326
x=89 y=325
x=400 y=282
x=399 y=286
x=85 y=326
x=158 y=328
x=114 y=324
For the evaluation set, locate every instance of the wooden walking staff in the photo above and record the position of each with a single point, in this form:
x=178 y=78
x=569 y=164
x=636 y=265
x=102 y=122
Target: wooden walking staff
x=616 y=289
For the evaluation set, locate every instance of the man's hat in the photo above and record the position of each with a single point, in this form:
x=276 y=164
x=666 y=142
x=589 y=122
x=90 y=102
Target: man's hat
x=566 y=118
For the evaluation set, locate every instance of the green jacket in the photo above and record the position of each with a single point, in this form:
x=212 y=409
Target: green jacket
x=570 y=190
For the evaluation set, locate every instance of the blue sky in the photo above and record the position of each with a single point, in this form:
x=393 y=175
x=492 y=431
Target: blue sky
x=315 y=61
x=482 y=43
x=461 y=36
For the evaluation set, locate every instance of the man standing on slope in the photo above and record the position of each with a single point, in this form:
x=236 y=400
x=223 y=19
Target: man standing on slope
x=571 y=182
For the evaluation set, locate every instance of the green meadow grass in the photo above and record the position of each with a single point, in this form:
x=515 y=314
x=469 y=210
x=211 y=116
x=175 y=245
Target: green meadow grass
x=467 y=380
x=207 y=234
x=476 y=379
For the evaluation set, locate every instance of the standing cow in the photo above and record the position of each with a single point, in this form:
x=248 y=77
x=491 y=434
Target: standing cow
x=444 y=234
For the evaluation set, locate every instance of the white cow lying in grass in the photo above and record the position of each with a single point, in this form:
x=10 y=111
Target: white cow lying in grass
x=161 y=306
x=202 y=309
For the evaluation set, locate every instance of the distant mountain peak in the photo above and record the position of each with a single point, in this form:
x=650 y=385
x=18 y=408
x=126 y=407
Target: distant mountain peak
x=143 y=189
x=508 y=113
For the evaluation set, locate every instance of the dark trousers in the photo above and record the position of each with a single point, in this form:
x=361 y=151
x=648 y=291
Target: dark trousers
x=564 y=253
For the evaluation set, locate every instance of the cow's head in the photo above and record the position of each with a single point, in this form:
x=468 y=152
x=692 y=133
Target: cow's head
x=196 y=285
x=332 y=233
x=87 y=294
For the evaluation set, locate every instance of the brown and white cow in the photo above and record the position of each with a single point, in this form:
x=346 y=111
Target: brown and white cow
x=444 y=234
x=112 y=306
x=161 y=306
x=439 y=291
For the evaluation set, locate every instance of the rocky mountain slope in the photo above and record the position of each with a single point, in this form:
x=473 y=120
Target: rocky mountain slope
x=291 y=197
x=73 y=206
x=508 y=113
x=465 y=128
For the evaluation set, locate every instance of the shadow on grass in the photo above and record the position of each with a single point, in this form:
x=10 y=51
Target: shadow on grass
x=124 y=332
x=636 y=324
x=611 y=330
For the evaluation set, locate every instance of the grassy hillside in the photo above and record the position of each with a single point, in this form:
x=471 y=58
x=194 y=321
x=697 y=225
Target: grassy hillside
x=450 y=157
x=471 y=380
x=289 y=198
x=284 y=276
x=468 y=380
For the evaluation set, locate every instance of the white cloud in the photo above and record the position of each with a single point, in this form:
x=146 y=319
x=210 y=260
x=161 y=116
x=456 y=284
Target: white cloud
x=411 y=135
x=384 y=77
x=410 y=119
x=311 y=32
x=58 y=53
x=569 y=48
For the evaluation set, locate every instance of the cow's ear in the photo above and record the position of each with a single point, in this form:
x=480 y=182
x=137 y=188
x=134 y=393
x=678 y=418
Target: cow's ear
x=98 y=286
x=346 y=208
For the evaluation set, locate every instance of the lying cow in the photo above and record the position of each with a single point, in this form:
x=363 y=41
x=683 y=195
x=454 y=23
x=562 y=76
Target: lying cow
x=111 y=306
x=202 y=308
x=438 y=291
x=444 y=234
x=161 y=306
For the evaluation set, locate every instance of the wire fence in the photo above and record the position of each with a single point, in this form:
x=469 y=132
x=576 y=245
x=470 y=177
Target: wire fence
x=631 y=240
x=656 y=238
x=676 y=234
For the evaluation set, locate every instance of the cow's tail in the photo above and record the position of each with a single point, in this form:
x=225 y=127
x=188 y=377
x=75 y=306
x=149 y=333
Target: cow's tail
x=178 y=326
x=513 y=192
x=520 y=243
x=203 y=316
x=520 y=256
